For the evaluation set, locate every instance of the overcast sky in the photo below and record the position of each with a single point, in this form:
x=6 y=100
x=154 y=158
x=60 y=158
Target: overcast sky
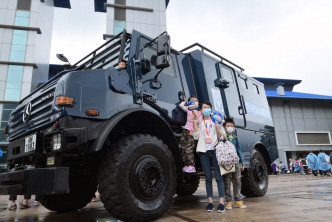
x=269 y=38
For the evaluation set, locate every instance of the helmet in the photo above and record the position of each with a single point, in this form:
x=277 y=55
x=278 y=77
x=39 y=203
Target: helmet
x=217 y=117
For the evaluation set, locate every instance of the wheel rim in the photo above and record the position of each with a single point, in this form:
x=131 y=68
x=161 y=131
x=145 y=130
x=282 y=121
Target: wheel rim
x=147 y=178
x=259 y=173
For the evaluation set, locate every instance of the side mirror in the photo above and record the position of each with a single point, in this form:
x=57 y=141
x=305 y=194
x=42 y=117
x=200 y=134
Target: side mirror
x=164 y=45
x=62 y=57
x=162 y=61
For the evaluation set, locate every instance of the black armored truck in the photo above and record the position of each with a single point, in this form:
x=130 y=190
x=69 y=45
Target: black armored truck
x=111 y=122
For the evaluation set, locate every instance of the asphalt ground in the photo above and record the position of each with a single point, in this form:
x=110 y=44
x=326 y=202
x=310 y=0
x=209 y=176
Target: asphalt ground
x=289 y=198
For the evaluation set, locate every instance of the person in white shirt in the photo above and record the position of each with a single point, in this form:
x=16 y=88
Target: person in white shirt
x=207 y=133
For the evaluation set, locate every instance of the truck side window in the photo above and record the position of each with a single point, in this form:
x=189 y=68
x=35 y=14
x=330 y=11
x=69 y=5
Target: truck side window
x=149 y=52
x=227 y=74
x=244 y=83
x=256 y=88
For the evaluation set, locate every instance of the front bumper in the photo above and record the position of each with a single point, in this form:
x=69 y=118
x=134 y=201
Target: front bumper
x=38 y=181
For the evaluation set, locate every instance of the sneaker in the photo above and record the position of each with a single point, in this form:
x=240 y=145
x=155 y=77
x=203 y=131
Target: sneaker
x=93 y=199
x=185 y=169
x=229 y=206
x=221 y=208
x=12 y=206
x=191 y=169
x=240 y=204
x=24 y=206
x=209 y=207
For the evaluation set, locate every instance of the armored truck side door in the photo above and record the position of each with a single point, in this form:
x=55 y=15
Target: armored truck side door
x=233 y=99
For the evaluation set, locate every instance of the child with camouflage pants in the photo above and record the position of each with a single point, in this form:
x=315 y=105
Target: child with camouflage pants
x=187 y=140
x=234 y=177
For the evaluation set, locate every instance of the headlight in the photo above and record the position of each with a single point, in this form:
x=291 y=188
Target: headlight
x=56 y=141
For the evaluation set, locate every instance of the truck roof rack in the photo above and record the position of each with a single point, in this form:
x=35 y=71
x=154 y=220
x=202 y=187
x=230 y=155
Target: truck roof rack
x=105 y=54
x=222 y=59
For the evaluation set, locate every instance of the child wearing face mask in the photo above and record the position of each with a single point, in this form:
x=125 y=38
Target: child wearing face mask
x=234 y=177
x=207 y=133
x=187 y=140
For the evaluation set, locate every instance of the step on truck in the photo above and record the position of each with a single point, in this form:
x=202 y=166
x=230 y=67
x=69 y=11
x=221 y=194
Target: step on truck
x=111 y=122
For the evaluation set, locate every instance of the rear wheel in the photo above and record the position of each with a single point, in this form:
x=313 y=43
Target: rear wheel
x=137 y=178
x=255 y=179
x=79 y=196
x=187 y=185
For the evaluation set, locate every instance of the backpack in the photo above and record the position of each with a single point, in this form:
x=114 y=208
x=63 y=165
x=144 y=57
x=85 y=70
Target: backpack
x=304 y=163
x=226 y=153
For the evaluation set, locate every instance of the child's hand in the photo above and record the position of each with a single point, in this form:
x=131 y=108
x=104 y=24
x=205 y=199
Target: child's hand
x=242 y=167
x=191 y=107
x=216 y=125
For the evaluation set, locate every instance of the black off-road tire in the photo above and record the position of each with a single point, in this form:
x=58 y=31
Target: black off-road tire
x=80 y=195
x=188 y=185
x=137 y=178
x=255 y=180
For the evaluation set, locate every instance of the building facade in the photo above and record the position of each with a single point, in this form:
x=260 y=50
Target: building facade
x=303 y=122
x=25 y=43
x=146 y=16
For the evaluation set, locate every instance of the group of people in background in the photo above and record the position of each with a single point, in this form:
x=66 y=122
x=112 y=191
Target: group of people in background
x=315 y=164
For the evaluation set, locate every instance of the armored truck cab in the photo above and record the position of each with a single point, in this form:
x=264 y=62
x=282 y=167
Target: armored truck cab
x=112 y=121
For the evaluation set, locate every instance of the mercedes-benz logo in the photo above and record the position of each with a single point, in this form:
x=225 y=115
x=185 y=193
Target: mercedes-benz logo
x=27 y=112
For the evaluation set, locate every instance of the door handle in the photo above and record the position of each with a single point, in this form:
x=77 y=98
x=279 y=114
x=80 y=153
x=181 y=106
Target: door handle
x=241 y=111
x=243 y=104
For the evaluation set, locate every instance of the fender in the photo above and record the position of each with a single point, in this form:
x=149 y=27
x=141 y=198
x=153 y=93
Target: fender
x=263 y=150
x=111 y=123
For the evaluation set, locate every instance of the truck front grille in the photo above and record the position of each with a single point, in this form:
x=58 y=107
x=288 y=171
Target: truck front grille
x=41 y=108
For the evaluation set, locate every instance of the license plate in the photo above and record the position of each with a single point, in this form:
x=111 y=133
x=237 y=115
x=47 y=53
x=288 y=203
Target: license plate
x=30 y=143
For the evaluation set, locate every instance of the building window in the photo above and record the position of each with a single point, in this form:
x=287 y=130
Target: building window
x=256 y=88
x=118 y=27
x=149 y=52
x=313 y=138
x=14 y=83
x=6 y=110
x=24 y=5
x=22 y=18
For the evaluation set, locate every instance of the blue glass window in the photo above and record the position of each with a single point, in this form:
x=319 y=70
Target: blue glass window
x=118 y=27
x=16 y=68
x=13 y=94
x=25 y=14
x=22 y=18
x=19 y=39
x=17 y=56
x=18 y=48
x=14 y=76
x=14 y=83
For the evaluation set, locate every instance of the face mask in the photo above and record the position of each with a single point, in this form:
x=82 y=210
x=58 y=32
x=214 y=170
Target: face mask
x=230 y=129
x=196 y=104
x=206 y=112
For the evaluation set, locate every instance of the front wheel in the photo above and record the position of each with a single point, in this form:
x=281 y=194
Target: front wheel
x=137 y=178
x=255 y=180
x=81 y=193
